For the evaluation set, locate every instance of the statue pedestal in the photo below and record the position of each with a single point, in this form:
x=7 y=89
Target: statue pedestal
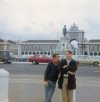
x=63 y=46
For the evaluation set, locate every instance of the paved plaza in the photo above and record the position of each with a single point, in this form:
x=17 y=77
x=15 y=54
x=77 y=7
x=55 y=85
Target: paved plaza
x=26 y=83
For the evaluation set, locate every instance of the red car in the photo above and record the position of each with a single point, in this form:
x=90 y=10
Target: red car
x=39 y=59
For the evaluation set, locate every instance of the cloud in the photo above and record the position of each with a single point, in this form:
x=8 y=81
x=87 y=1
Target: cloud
x=44 y=19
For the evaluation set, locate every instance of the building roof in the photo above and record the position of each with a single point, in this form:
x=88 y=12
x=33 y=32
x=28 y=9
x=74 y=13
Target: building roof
x=1 y=40
x=95 y=40
x=11 y=42
x=41 y=41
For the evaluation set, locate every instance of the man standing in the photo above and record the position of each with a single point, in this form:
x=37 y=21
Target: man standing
x=50 y=77
x=67 y=80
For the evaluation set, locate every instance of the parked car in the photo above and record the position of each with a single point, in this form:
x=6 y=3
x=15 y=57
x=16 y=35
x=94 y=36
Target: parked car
x=84 y=59
x=39 y=59
x=5 y=57
x=22 y=59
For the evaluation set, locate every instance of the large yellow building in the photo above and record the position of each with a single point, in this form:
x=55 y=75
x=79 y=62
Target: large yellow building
x=32 y=47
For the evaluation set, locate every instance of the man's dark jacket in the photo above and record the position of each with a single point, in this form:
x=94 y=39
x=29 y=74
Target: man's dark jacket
x=72 y=67
x=51 y=72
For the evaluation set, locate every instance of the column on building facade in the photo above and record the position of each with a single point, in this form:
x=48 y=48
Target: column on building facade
x=88 y=50
x=1 y=47
x=95 y=50
x=6 y=46
x=79 y=49
x=99 y=49
x=91 y=49
x=19 y=50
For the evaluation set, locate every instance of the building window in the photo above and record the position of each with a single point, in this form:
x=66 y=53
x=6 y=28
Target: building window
x=41 y=52
x=99 y=53
x=85 y=53
x=63 y=44
x=48 y=53
x=30 y=53
x=33 y=53
x=22 y=53
x=91 y=54
x=95 y=54
x=45 y=52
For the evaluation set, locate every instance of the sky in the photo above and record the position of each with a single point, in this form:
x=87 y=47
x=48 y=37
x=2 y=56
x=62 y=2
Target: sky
x=44 y=19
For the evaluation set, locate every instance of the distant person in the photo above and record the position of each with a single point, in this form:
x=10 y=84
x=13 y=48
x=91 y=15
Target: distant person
x=67 y=80
x=50 y=77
